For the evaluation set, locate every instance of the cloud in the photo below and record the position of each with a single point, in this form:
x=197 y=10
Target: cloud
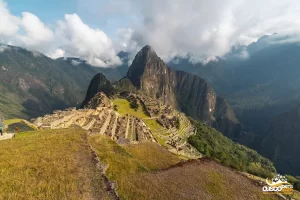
x=3 y=48
x=200 y=29
x=208 y=28
x=70 y=37
x=75 y=62
x=58 y=53
x=79 y=40
x=9 y=24
x=36 y=32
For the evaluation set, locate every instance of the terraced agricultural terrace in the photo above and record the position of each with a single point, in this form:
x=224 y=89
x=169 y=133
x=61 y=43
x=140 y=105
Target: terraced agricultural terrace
x=116 y=119
x=140 y=148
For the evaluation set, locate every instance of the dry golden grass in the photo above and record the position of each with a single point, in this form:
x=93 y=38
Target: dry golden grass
x=148 y=171
x=130 y=161
x=50 y=164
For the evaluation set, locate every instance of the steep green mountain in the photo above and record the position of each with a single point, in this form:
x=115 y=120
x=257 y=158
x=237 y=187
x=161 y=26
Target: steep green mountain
x=281 y=142
x=214 y=144
x=188 y=93
x=32 y=84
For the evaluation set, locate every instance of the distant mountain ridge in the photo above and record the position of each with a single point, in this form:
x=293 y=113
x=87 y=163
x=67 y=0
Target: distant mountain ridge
x=32 y=84
x=258 y=87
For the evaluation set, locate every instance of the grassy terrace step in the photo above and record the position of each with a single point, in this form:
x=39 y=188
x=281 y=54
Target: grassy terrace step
x=50 y=164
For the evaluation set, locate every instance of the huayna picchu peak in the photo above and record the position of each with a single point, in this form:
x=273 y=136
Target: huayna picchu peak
x=185 y=92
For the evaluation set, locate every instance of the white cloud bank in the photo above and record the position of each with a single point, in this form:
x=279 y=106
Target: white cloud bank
x=80 y=40
x=208 y=28
x=71 y=37
x=201 y=28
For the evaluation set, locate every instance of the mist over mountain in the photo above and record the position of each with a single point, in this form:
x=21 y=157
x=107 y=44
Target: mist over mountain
x=258 y=87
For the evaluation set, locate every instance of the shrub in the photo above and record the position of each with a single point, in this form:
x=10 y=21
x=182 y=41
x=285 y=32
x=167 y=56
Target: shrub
x=214 y=144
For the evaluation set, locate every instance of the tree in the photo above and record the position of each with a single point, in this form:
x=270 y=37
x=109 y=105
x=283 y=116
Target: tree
x=134 y=105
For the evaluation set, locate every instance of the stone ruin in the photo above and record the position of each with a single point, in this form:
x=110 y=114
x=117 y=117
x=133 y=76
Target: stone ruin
x=99 y=100
x=168 y=122
x=175 y=136
x=98 y=117
x=152 y=107
x=104 y=120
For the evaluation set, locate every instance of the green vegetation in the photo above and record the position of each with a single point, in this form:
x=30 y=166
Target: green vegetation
x=134 y=105
x=293 y=180
x=147 y=171
x=12 y=121
x=50 y=164
x=124 y=108
x=33 y=83
x=13 y=124
x=214 y=144
x=129 y=162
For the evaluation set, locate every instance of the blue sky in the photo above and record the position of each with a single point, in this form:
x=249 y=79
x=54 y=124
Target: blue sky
x=50 y=11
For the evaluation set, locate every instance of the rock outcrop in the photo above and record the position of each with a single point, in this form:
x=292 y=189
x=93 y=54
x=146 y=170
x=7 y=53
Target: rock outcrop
x=99 y=100
x=185 y=92
x=98 y=84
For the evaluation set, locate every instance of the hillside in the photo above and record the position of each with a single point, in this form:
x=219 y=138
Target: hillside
x=32 y=84
x=59 y=164
x=50 y=164
x=147 y=171
x=142 y=150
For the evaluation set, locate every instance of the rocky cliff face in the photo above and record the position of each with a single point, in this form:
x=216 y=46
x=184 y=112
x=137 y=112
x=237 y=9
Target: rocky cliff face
x=183 y=91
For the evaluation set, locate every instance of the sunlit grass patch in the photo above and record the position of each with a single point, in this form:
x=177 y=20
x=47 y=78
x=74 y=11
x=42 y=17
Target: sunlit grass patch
x=50 y=164
x=124 y=108
x=126 y=162
x=12 y=121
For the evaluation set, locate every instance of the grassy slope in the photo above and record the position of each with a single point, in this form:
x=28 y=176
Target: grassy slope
x=55 y=164
x=214 y=144
x=147 y=171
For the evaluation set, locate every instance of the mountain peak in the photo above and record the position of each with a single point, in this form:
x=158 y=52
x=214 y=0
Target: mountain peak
x=148 y=48
x=98 y=84
x=147 y=52
x=146 y=57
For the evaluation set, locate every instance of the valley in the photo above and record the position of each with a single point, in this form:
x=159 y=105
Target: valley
x=143 y=132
